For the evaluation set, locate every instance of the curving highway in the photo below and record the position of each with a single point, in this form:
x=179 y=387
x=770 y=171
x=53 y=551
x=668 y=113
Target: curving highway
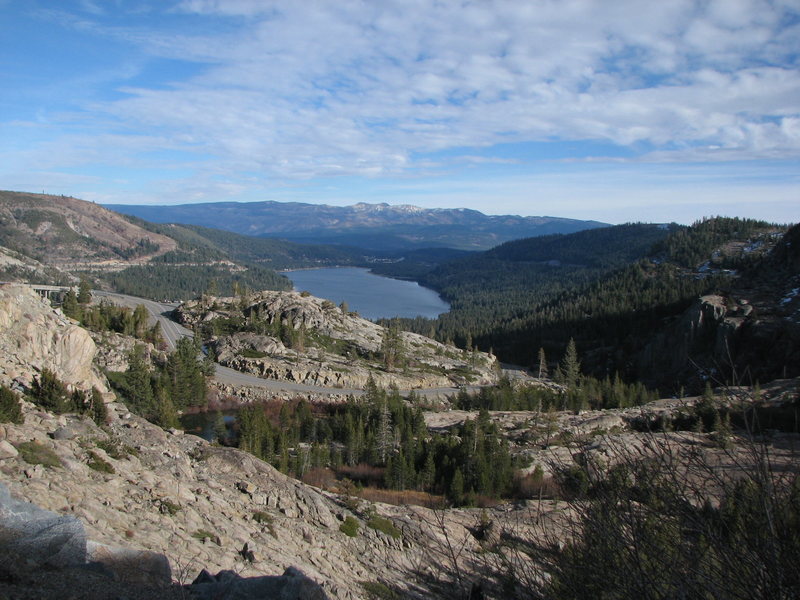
x=172 y=332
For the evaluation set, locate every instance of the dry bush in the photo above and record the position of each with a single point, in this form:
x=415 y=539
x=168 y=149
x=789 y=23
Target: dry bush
x=533 y=487
x=362 y=473
x=321 y=477
x=402 y=497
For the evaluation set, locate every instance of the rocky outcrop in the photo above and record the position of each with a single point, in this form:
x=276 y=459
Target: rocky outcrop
x=227 y=585
x=206 y=507
x=34 y=336
x=295 y=337
x=113 y=350
x=720 y=337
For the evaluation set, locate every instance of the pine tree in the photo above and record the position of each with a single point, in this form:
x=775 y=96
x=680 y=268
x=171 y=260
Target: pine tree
x=10 y=409
x=70 y=306
x=50 y=393
x=571 y=366
x=542 y=364
x=138 y=389
x=384 y=434
x=456 y=491
x=428 y=476
x=84 y=292
x=99 y=408
x=220 y=430
x=140 y=318
x=163 y=413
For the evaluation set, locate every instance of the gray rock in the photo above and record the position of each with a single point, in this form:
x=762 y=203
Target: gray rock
x=131 y=566
x=227 y=585
x=63 y=433
x=40 y=537
x=246 y=487
x=7 y=450
x=34 y=472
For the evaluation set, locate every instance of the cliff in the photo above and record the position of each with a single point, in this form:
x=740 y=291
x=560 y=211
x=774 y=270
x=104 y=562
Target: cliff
x=749 y=332
x=33 y=337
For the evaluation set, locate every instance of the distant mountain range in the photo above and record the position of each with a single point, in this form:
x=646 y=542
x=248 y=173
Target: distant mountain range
x=374 y=227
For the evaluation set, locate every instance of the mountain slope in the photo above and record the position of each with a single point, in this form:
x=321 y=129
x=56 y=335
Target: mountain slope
x=371 y=226
x=59 y=230
x=55 y=239
x=611 y=290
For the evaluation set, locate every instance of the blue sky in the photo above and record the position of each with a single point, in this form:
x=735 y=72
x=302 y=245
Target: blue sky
x=609 y=110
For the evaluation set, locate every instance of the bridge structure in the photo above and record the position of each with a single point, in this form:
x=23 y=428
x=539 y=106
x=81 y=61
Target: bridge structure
x=46 y=291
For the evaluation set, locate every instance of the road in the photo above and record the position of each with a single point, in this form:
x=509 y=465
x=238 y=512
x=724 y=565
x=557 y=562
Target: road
x=172 y=332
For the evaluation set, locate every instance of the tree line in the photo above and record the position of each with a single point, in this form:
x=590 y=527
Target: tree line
x=381 y=439
x=607 y=289
x=157 y=390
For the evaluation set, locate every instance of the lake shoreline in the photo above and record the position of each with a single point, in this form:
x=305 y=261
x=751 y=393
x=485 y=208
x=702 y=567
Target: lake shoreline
x=372 y=295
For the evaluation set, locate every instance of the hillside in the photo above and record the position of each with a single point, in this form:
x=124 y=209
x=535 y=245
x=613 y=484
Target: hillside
x=297 y=337
x=376 y=227
x=55 y=239
x=267 y=252
x=611 y=290
x=71 y=233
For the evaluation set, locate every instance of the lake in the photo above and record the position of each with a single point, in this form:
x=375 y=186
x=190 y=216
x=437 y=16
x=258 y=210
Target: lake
x=372 y=296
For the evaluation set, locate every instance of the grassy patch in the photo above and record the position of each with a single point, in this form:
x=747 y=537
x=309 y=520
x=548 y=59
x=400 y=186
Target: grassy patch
x=203 y=535
x=168 y=507
x=97 y=463
x=250 y=353
x=35 y=453
x=116 y=450
x=384 y=525
x=379 y=591
x=349 y=527
x=264 y=518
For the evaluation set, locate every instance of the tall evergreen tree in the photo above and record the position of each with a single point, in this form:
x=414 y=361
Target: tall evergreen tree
x=70 y=306
x=392 y=346
x=570 y=366
x=84 y=292
x=542 y=367
x=384 y=433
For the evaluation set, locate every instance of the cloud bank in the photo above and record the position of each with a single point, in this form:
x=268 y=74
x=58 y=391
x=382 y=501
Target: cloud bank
x=287 y=91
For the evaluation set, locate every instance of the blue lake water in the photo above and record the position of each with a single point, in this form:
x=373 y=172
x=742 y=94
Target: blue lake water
x=372 y=296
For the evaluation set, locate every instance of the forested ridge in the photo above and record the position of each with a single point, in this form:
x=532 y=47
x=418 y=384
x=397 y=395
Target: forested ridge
x=196 y=241
x=608 y=289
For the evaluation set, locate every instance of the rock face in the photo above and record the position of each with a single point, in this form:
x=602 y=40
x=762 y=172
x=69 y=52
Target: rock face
x=200 y=506
x=719 y=336
x=34 y=336
x=326 y=346
x=34 y=535
x=227 y=585
x=752 y=333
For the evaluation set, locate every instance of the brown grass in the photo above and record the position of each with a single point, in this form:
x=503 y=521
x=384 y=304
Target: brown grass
x=321 y=477
x=362 y=473
x=533 y=487
x=401 y=497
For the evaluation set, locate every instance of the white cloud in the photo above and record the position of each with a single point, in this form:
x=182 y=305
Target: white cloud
x=305 y=89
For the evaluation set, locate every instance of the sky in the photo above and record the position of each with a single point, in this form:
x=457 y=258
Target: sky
x=611 y=110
